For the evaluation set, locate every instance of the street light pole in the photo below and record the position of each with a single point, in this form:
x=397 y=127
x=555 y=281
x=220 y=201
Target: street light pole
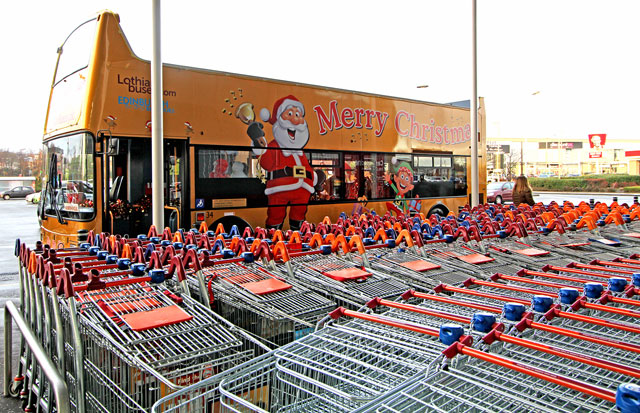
x=475 y=185
x=157 y=164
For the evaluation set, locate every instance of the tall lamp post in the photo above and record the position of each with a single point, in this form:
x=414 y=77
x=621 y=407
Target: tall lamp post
x=157 y=164
x=475 y=184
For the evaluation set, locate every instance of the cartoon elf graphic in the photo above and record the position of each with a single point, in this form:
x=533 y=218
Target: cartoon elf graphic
x=403 y=179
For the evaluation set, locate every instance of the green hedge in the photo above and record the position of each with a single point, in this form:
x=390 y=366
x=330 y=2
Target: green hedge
x=587 y=183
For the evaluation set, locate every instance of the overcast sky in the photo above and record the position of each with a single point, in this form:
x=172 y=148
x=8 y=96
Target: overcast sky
x=581 y=56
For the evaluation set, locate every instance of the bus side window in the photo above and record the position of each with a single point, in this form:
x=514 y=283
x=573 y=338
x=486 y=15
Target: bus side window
x=217 y=163
x=329 y=165
x=226 y=173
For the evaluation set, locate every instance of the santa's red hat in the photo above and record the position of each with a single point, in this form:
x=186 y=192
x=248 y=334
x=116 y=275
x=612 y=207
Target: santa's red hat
x=280 y=106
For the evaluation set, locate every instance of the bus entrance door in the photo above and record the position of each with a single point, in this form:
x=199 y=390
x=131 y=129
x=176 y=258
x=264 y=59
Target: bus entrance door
x=129 y=181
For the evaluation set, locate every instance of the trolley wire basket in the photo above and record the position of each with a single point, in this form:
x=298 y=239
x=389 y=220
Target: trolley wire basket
x=131 y=342
x=340 y=277
x=553 y=325
x=263 y=303
x=486 y=387
x=338 y=368
x=403 y=257
x=489 y=336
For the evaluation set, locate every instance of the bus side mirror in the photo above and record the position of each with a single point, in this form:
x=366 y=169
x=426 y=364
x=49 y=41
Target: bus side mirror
x=113 y=146
x=104 y=138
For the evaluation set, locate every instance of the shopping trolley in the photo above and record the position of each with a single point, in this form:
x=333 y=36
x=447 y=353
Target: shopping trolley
x=619 y=284
x=575 y=249
x=591 y=290
x=593 y=235
x=403 y=257
x=130 y=342
x=338 y=368
x=514 y=244
x=338 y=277
x=488 y=382
x=447 y=250
x=489 y=336
x=257 y=300
x=519 y=286
x=553 y=324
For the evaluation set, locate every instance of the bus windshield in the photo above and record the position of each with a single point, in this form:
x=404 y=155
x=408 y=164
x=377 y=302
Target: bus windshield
x=70 y=195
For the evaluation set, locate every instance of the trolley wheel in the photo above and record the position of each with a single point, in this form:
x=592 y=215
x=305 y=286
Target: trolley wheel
x=498 y=199
x=229 y=221
x=7 y=197
x=16 y=386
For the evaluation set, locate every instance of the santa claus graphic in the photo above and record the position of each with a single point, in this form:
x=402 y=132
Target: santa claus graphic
x=290 y=178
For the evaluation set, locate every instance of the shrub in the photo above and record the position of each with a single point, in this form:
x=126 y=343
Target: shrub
x=587 y=183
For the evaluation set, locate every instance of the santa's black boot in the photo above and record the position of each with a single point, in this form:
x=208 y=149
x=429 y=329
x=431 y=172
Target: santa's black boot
x=295 y=225
x=274 y=227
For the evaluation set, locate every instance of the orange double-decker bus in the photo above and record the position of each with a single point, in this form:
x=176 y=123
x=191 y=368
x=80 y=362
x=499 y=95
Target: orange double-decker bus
x=238 y=150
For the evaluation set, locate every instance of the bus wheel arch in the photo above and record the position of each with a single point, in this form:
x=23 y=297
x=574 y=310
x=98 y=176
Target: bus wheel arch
x=439 y=209
x=228 y=221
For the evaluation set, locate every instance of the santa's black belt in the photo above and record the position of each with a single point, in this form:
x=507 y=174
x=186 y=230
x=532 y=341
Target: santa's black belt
x=287 y=171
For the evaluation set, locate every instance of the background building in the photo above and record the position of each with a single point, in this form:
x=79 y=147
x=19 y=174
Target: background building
x=560 y=157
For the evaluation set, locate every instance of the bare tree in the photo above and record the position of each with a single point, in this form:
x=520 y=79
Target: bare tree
x=511 y=164
x=21 y=163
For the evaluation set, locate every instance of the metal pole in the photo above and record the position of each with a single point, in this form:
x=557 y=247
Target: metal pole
x=7 y=352
x=475 y=186
x=57 y=382
x=157 y=163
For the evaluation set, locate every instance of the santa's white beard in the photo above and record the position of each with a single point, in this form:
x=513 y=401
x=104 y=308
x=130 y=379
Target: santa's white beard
x=281 y=134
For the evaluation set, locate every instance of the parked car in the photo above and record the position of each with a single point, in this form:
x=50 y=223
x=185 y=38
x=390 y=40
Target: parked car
x=547 y=176
x=17 y=192
x=33 y=198
x=499 y=192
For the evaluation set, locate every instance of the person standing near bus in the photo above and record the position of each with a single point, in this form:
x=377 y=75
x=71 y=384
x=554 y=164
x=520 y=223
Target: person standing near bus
x=522 y=193
x=290 y=178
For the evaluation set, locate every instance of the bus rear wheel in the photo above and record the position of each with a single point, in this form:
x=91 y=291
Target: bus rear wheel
x=438 y=210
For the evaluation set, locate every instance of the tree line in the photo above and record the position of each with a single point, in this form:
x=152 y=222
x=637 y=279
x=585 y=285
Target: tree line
x=22 y=163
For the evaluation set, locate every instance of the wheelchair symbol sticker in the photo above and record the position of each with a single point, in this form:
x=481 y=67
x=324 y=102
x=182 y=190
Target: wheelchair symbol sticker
x=199 y=203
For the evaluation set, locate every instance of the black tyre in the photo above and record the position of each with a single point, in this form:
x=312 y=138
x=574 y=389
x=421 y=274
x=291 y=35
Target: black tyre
x=7 y=197
x=498 y=199
x=15 y=387
x=438 y=210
